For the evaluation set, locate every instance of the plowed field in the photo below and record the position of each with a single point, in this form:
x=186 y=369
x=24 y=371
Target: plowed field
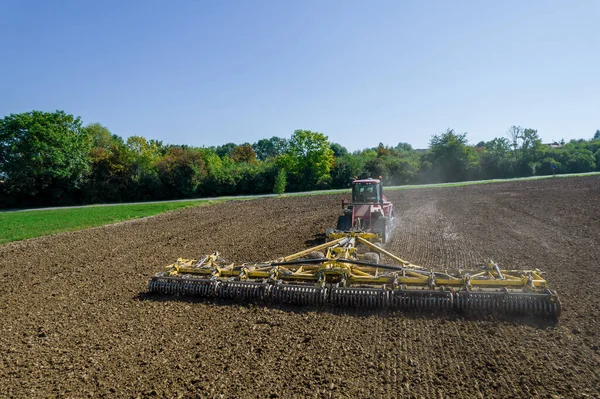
x=74 y=321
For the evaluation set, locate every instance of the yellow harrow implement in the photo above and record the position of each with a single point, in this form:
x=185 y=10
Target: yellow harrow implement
x=336 y=274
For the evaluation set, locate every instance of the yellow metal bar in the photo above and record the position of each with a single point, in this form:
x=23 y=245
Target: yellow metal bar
x=356 y=270
x=370 y=280
x=257 y=274
x=313 y=249
x=389 y=254
x=353 y=234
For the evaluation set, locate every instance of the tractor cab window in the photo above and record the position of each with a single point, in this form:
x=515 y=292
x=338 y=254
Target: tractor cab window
x=366 y=192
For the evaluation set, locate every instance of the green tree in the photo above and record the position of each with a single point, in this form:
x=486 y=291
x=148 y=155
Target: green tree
x=226 y=149
x=375 y=167
x=449 y=157
x=181 y=171
x=404 y=147
x=580 y=160
x=43 y=157
x=338 y=150
x=345 y=169
x=527 y=149
x=548 y=166
x=110 y=178
x=99 y=136
x=309 y=159
x=145 y=181
x=400 y=170
x=384 y=151
x=280 y=182
x=220 y=177
x=531 y=149
x=270 y=148
x=597 y=135
x=496 y=159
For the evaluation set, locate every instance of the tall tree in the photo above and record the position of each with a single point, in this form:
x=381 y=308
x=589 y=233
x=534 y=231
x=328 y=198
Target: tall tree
x=181 y=171
x=43 y=156
x=404 y=147
x=144 y=175
x=99 y=136
x=526 y=146
x=111 y=162
x=383 y=150
x=270 y=148
x=400 y=170
x=243 y=153
x=345 y=169
x=338 y=150
x=375 y=168
x=496 y=159
x=450 y=157
x=309 y=159
x=226 y=149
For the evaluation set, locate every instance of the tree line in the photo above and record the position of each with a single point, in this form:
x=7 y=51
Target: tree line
x=51 y=158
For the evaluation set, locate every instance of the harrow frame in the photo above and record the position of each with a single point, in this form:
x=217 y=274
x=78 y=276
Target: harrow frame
x=336 y=273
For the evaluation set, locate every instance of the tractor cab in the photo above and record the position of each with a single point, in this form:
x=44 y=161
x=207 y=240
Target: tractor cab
x=367 y=191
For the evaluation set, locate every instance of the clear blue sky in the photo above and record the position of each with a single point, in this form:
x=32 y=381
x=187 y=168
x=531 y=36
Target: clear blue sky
x=211 y=72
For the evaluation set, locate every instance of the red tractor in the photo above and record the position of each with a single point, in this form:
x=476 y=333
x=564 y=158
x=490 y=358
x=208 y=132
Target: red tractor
x=369 y=210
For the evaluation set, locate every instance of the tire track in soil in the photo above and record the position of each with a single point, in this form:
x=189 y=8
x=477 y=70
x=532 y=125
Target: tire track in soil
x=425 y=237
x=74 y=324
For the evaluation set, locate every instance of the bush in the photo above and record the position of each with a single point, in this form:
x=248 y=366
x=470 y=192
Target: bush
x=280 y=182
x=546 y=167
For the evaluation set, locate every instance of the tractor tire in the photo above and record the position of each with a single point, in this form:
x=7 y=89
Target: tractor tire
x=344 y=223
x=380 y=227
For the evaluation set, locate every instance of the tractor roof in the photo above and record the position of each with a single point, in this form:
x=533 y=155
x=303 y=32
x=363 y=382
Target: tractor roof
x=369 y=180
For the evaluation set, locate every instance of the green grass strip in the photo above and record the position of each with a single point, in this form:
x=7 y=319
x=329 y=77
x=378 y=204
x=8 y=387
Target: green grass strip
x=22 y=225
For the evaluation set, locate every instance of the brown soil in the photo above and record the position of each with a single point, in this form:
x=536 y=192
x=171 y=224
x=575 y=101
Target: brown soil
x=75 y=321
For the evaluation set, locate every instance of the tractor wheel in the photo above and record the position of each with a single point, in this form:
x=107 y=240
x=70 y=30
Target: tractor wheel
x=380 y=227
x=344 y=223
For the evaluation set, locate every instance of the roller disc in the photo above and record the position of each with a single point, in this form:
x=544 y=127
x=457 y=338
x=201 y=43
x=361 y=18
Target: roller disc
x=299 y=294
x=421 y=300
x=243 y=290
x=372 y=298
x=182 y=286
x=524 y=304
